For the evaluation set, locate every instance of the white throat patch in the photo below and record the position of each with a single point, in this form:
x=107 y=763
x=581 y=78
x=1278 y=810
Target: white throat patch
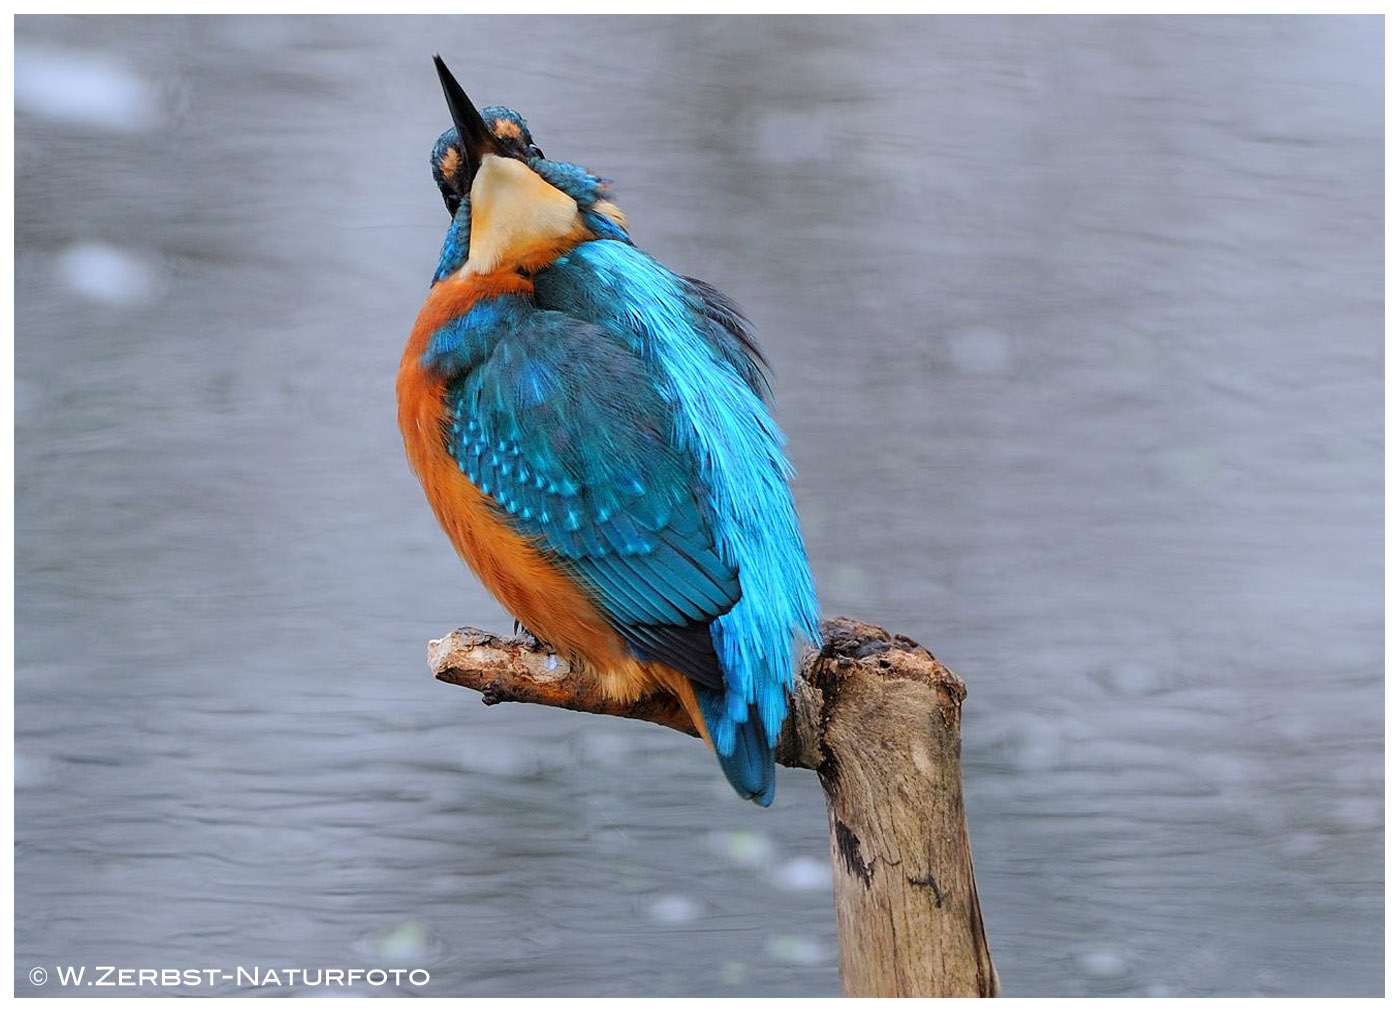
x=514 y=213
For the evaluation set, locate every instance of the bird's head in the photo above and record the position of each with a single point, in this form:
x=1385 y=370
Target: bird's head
x=511 y=208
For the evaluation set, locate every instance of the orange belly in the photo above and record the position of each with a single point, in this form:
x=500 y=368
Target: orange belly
x=512 y=567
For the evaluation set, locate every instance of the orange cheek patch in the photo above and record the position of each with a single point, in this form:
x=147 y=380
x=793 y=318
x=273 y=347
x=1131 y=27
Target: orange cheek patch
x=451 y=161
x=506 y=128
x=611 y=210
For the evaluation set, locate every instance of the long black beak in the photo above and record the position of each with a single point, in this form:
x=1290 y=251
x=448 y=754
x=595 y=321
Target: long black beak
x=476 y=138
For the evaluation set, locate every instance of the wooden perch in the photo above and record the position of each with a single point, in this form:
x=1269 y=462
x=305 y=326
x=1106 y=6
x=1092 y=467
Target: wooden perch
x=879 y=719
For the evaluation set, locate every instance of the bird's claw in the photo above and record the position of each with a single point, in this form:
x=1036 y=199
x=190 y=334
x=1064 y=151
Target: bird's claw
x=528 y=639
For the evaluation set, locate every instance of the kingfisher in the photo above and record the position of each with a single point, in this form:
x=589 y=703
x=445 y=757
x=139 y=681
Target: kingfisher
x=593 y=432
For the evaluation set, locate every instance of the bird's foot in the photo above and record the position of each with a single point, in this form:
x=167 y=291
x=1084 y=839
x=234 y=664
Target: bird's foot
x=528 y=639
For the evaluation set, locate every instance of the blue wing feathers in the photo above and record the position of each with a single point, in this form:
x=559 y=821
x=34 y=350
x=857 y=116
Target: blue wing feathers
x=620 y=419
x=727 y=329
x=561 y=425
x=694 y=340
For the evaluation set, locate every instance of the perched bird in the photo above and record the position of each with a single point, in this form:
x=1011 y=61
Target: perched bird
x=592 y=432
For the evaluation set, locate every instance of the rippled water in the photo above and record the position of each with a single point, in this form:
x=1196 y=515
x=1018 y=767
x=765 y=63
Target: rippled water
x=1077 y=327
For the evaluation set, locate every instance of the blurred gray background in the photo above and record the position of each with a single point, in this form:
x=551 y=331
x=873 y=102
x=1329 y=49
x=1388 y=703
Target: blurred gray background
x=1077 y=328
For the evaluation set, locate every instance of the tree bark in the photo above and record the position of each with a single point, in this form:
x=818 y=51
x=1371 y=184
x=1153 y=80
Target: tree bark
x=879 y=719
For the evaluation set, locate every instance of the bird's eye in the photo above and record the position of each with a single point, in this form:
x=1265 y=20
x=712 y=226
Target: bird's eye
x=534 y=151
x=453 y=202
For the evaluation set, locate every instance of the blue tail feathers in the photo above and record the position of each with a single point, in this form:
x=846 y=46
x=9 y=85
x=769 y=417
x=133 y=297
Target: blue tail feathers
x=749 y=764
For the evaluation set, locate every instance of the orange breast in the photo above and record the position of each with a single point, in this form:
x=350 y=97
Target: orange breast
x=513 y=568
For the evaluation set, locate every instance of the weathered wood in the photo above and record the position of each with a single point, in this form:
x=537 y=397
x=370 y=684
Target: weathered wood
x=879 y=719
x=907 y=912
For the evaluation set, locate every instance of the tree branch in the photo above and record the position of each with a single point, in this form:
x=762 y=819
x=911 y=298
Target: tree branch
x=522 y=671
x=879 y=718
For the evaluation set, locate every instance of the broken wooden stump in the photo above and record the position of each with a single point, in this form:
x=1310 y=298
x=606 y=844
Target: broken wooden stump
x=879 y=720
